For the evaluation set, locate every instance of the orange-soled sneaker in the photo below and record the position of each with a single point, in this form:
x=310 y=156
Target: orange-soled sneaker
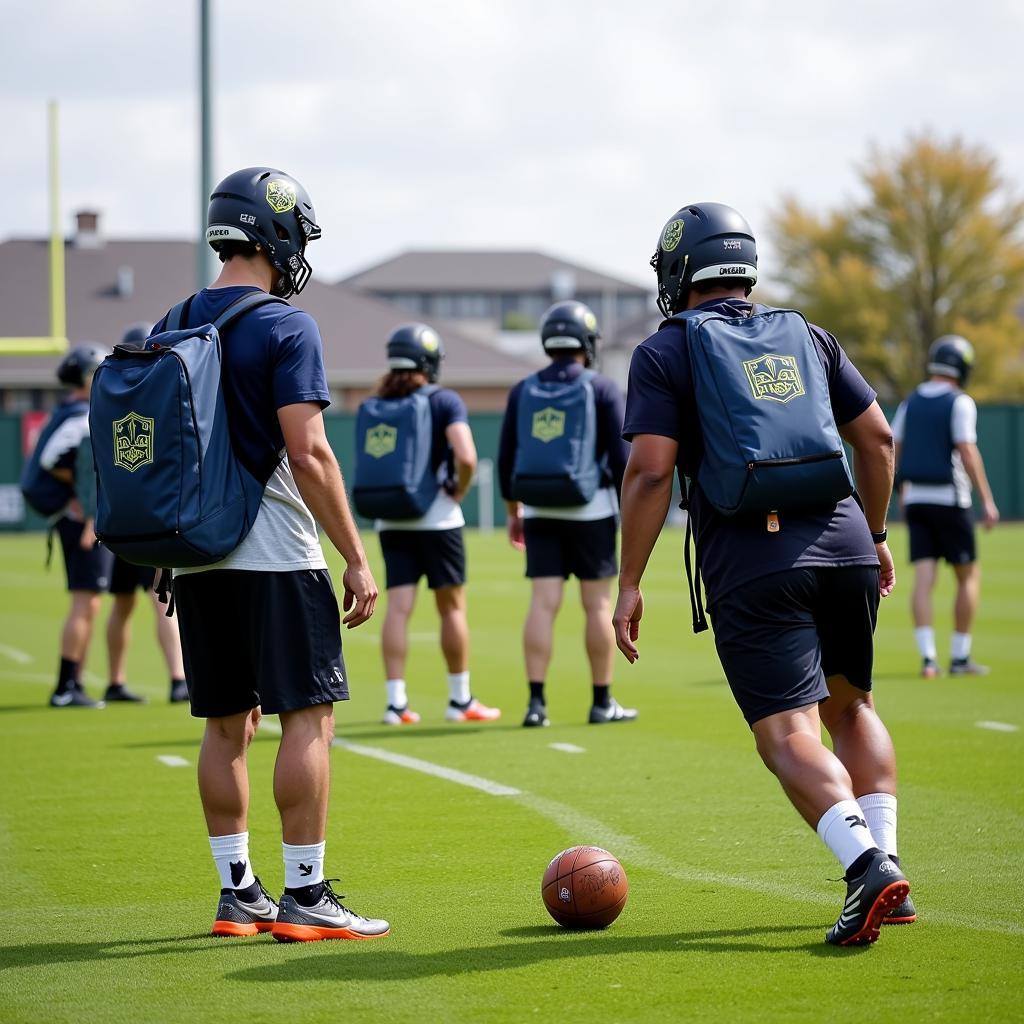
x=905 y=913
x=474 y=711
x=400 y=716
x=869 y=898
x=328 y=918
x=236 y=917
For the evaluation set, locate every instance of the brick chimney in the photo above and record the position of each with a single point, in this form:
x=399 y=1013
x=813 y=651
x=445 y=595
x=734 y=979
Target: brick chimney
x=87 y=229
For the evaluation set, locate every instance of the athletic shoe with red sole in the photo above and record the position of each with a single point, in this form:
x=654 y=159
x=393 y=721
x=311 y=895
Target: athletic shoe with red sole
x=474 y=711
x=400 y=716
x=905 y=913
x=236 y=917
x=329 y=918
x=869 y=897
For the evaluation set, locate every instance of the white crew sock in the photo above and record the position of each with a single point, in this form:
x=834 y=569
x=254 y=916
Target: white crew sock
x=880 y=813
x=231 y=855
x=458 y=687
x=925 y=637
x=844 y=830
x=397 y=697
x=303 y=865
x=961 y=646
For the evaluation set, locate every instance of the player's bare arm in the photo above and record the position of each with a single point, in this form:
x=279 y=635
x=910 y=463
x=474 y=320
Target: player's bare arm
x=514 y=520
x=318 y=477
x=870 y=437
x=646 y=495
x=460 y=439
x=974 y=466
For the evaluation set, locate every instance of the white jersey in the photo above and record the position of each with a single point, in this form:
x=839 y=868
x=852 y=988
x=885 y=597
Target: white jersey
x=964 y=430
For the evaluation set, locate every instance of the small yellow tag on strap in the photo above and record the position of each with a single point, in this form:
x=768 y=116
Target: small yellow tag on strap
x=772 y=525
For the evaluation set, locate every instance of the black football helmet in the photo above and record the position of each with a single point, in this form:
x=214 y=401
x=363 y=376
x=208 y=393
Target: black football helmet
x=570 y=327
x=951 y=356
x=135 y=336
x=416 y=347
x=705 y=241
x=272 y=210
x=80 y=364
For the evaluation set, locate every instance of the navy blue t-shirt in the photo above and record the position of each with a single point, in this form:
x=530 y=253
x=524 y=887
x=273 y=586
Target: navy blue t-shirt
x=272 y=357
x=446 y=407
x=608 y=406
x=733 y=550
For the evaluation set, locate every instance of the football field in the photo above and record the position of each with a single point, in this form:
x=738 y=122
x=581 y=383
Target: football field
x=446 y=830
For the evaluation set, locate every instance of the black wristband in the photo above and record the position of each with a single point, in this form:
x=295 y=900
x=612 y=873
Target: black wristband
x=880 y=538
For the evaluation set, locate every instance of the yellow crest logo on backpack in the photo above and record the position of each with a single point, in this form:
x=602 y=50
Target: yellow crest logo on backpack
x=380 y=440
x=774 y=378
x=133 y=441
x=548 y=424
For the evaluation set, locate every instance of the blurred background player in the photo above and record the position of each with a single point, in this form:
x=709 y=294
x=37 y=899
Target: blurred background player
x=938 y=459
x=125 y=578
x=87 y=564
x=570 y=539
x=431 y=544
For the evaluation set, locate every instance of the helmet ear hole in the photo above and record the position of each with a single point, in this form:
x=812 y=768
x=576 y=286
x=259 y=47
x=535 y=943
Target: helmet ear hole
x=673 y=271
x=281 y=232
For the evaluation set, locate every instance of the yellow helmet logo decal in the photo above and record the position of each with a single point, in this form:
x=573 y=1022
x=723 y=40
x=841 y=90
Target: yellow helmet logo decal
x=548 y=424
x=133 y=441
x=672 y=235
x=380 y=440
x=590 y=320
x=430 y=341
x=280 y=195
x=774 y=378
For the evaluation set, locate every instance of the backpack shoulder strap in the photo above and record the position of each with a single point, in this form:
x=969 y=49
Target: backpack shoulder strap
x=178 y=316
x=429 y=389
x=241 y=306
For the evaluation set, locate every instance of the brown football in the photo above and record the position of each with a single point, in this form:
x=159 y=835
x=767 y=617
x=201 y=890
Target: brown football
x=584 y=887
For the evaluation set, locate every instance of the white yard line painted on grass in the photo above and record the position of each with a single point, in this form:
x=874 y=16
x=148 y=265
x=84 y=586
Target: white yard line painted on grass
x=172 y=760
x=21 y=657
x=568 y=748
x=998 y=726
x=631 y=850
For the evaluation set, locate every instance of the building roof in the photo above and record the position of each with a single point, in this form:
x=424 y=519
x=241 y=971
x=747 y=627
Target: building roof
x=354 y=326
x=458 y=270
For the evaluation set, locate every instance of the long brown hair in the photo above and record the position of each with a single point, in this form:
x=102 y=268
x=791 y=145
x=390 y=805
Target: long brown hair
x=400 y=383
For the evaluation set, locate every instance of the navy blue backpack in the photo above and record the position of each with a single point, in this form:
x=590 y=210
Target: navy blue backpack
x=43 y=492
x=170 y=490
x=556 y=443
x=394 y=441
x=771 y=443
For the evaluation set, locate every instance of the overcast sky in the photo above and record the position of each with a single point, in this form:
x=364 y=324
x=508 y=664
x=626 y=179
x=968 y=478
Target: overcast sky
x=573 y=126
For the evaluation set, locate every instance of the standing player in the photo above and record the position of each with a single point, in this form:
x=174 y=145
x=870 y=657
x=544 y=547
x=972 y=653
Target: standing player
x=429 y=545
x=938 y=459
x=260 y=630
x=87 y=564
x=793 y=597
x=568 y=539
x=125 y=578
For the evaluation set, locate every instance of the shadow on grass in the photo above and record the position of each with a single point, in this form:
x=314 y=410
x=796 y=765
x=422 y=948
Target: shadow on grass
x=52 y=953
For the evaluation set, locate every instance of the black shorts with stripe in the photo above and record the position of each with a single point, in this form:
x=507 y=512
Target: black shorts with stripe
x=260 y=639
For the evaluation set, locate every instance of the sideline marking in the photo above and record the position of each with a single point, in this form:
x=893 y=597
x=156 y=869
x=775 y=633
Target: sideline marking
x=21 y=657
x=632 y=850
x=172 y=760
x=998 y=726
x=568 y=748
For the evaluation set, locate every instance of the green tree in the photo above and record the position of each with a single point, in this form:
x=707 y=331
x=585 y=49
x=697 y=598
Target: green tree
x=936 y=247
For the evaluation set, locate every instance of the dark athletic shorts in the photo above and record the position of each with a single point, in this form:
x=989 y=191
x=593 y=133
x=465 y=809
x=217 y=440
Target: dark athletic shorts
x=780 y=636
x=941 y=531
x=570 y=547
x=85 y=570
x=125 y=577
x=440 y=555
x=260 y=639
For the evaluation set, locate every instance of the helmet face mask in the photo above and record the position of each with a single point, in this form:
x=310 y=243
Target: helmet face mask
x=570 y=327
x=416 y=348
x=269 y=209
x=702 y=242
x=951 y=356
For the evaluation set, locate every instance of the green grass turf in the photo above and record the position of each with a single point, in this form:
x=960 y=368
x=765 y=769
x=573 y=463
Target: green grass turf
x=110 y=887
